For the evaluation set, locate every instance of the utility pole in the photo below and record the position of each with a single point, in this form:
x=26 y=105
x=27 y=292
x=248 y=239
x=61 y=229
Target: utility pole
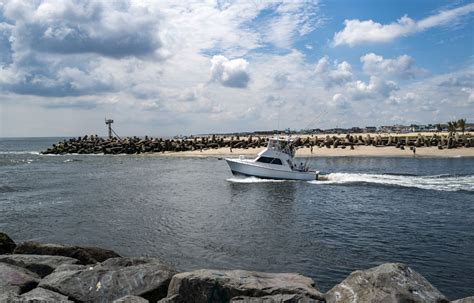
x=109 y=122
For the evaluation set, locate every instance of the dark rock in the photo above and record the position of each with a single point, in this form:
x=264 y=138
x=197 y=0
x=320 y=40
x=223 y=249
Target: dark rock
x=41 y=295
x=85 y=255
x=7 y=245
x=40 y=264
x=391 y=282
x=223 y=285
x=16 y=280
x=464 y=300
x=131 y=299
x=274 y=299
x=113 y=279
x=65 y=267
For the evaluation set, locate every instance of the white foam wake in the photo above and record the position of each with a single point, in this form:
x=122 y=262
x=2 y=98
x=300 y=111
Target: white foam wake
x=252 y=180
x=438 y=182
x=19 y=153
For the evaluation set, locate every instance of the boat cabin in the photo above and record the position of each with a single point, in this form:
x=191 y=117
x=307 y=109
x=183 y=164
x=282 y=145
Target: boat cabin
x=279 y=152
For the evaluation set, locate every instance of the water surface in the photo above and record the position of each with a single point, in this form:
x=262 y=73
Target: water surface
x=193 y=213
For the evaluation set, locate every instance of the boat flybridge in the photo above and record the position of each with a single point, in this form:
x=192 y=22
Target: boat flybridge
x=274 y=162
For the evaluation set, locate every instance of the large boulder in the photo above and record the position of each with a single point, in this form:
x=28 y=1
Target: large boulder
x=113 y=279
x=274 y=299
x=391 y=282
x=37 y=295
x=64 y=267
x=131 y=299
x=7 y=245
x=223 y=285
x=16 y=280
x=85 y=255
x=464 y=300
x=40 y=264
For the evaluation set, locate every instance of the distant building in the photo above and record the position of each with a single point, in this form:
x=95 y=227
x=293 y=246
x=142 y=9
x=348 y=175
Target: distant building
x=399 y=129
x=355 y=130
x=370 y=129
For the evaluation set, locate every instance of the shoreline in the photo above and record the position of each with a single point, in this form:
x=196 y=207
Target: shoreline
x=437 y=145
x=358 y=151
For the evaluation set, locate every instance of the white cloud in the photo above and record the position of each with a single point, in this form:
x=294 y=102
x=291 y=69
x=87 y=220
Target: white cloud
x=340 y=101
x=376 y=87
x=338 y=74
x=293 y=19
x=359 y=32
x=230 y=73
x=322 y=66
x=402 y=67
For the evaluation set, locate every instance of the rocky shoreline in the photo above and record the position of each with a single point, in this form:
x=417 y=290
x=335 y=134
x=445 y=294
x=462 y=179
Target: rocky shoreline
x=39 y=272
x=135 y=145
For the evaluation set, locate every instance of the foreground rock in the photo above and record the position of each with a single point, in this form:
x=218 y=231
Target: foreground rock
x=223 y=285
x=6 y=244
x=85 y=255
x=113 y=279
x=274 y=299
x=131 y=299
x=41 y=265
x=391 y=282
x=16 y=280
x=464 y=300
x=37 y=295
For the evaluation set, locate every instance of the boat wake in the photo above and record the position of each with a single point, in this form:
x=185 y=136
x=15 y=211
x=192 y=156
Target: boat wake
x=436 y=182
x=253 y=180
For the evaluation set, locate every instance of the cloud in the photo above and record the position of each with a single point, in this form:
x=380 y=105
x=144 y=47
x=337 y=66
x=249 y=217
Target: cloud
x=281 y=80
x=5 y=43
x=113 y=29
x=359 y=32
x=340 y=101
x=290 y=20
x=404 y=100
x=402 y=67
x=338 y=74
x=463 y=80
x=376 y=88
x=33 y=74
x=230 y=73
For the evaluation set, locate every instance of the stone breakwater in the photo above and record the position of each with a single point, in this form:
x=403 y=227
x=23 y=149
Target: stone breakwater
x=134 y=145
x=38 y=272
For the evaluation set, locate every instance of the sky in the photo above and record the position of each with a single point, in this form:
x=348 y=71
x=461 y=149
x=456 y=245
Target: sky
x=165 y=68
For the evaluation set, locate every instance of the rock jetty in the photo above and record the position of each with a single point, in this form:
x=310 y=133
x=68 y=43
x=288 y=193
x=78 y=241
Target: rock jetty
x=39 y=272
x=135 y=145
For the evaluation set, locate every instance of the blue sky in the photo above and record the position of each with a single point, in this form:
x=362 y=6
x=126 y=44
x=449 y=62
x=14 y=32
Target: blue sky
x=163 y=68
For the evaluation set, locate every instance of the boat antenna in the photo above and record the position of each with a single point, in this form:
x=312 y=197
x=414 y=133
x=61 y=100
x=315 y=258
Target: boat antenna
x=278 y=124
x=316 y=119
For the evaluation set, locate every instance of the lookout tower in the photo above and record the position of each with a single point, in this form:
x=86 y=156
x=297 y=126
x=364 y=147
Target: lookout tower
x=109 y=122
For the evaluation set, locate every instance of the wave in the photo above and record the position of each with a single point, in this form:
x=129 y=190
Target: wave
x=72 y=160
x=253 y=180
x=19 y=153
x=435 y=182
x=7 y=189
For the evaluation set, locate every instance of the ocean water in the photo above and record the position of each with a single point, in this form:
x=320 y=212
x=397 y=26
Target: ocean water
x=193 y=213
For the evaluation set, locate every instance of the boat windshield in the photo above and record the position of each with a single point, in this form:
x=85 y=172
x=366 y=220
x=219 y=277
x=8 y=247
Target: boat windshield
x=281 y=146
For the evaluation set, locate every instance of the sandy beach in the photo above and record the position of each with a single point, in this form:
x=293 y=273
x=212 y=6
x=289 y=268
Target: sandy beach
x=358 y=151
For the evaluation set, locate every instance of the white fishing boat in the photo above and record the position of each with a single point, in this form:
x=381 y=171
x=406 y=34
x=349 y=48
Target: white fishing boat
x=274 y=162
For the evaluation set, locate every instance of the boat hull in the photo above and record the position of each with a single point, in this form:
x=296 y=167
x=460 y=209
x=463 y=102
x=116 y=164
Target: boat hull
x=239 y=167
